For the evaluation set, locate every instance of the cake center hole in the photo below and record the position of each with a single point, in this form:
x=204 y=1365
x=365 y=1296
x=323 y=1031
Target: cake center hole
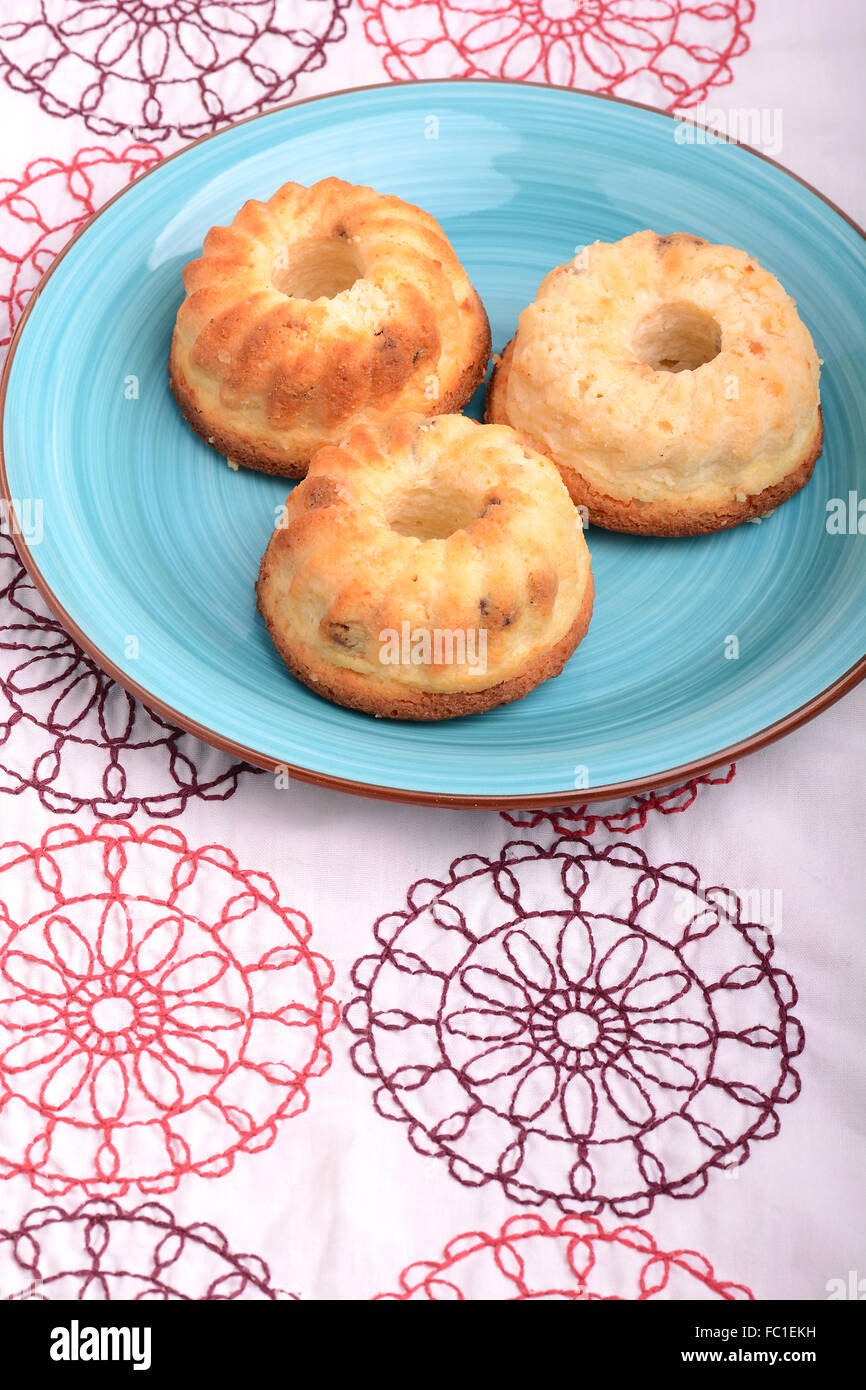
x=677 y=338
x=432 y=513
x=319 y=269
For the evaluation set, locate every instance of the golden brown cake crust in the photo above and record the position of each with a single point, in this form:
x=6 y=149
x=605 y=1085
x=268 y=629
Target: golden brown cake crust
x=384 y=699
x=320 y=309
x=655 y=518
x=427 y=531
x=235 y=449
x=262 y=455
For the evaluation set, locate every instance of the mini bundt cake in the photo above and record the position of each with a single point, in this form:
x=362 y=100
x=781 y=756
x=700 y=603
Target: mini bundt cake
x=426 y=569
x=320 y=309
x=671 y=381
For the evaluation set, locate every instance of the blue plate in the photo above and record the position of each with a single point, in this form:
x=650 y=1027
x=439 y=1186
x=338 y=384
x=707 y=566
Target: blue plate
x=151 y=542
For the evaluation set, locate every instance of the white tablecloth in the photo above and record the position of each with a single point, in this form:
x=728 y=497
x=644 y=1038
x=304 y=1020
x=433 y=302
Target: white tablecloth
x=464 y=1108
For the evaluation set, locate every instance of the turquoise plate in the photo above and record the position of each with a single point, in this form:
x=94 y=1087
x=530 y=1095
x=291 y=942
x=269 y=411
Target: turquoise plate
x=151 y=543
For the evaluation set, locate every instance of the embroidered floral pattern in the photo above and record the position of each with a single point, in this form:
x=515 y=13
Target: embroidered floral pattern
x=622 y=816
x=66 y=729
x=160 y=1010
x=577 y=1025
x=578 y=1259
x=40 y=211
x=181 y=67
x=78 y=739
x=103 y=1252
x=667 y=53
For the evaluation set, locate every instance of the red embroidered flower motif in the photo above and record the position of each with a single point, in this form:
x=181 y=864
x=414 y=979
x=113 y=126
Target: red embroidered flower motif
x=103 y=1252
x=667 y=53
x=78 y=739
x=160 y=1010
x=156 y=68
x=619 y=816
x=577 y=1025
x=41 y=211
x=576 y=1259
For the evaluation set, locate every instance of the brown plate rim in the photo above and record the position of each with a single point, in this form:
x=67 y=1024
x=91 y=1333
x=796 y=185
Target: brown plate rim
x=685 y=772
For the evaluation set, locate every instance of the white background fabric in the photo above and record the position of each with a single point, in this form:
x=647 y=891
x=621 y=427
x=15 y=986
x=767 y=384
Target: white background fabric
x=341 y=1203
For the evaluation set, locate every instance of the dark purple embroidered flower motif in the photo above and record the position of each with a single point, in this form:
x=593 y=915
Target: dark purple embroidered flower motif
x=627 y=815
x=577 y=1025
x=77 y=738
x=102 y=1252
x=181 y=66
